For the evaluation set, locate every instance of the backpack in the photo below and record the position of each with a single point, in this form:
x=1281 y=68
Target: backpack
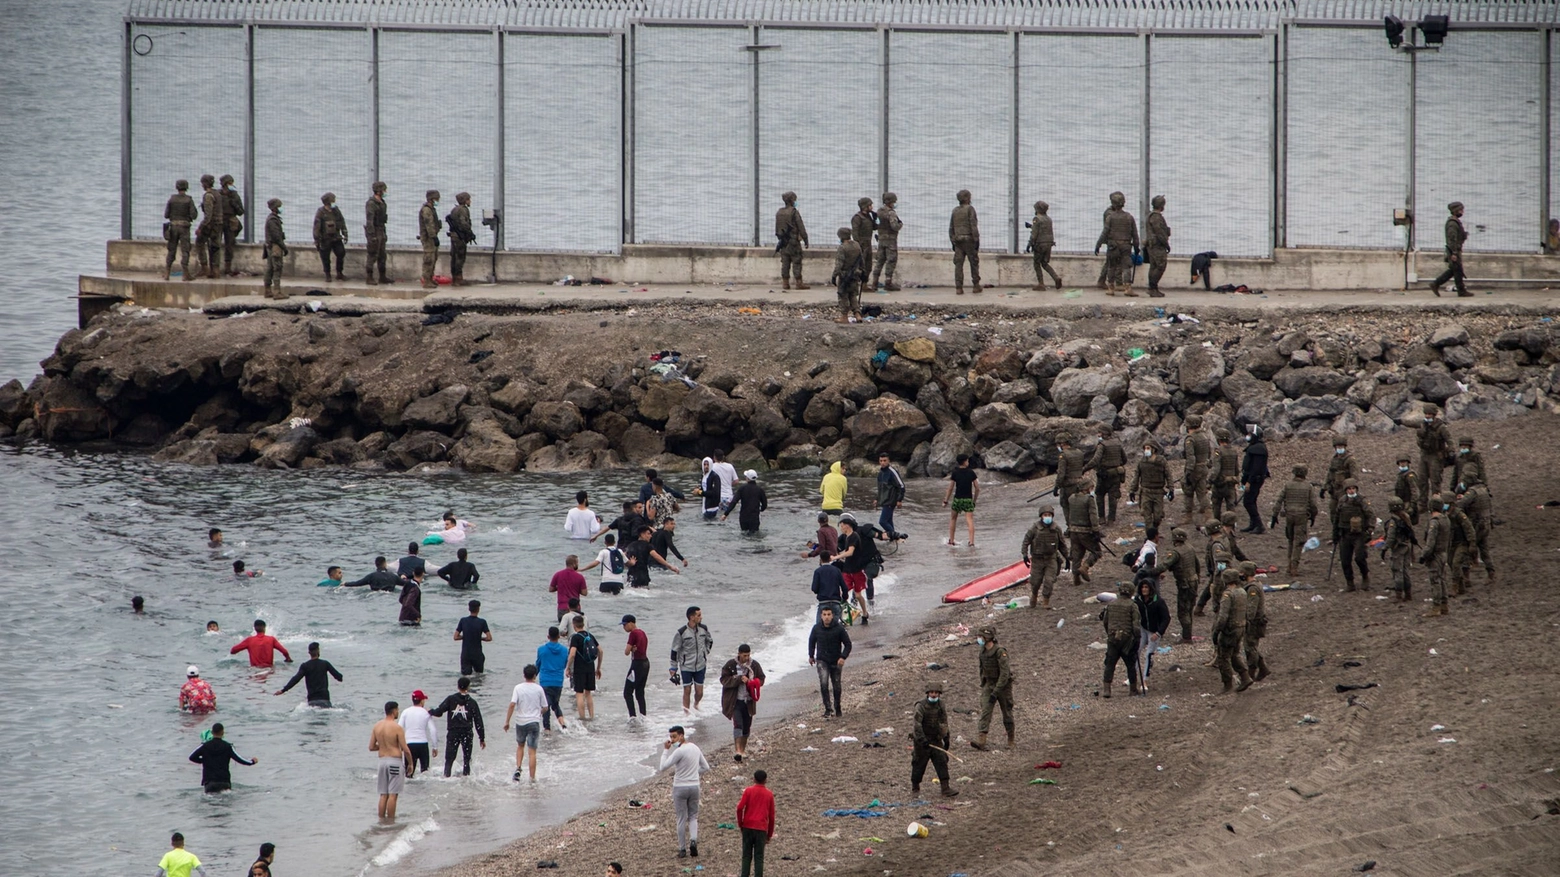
x=592 y=648
x=615 y=561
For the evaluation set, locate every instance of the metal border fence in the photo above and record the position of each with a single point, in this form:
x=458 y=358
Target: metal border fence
x=636 y=68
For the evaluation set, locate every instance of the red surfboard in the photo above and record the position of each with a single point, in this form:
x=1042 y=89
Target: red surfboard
x=988 y=584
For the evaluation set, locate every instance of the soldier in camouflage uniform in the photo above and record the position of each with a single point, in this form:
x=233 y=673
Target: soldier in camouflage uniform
x=1456 y=236
x=792 y=234
x=888 y=226
x=1199 y=457
x=1297 y=505
x=1109 y=463
x=1341 y=467
x=213 y=224
x=1224 y=474
x=1158 y=246
x=1045 y=545
x=862 y=225
x=181 y=214
x=1435 y=453
x=1181 y=561
x=1469 y=469
x=1353 y=524
x=428 y=227
x=460 y=235
x=1083 y=524
x=996 y=687
x=1149 y=480
x=1407 y=488
x=1069 y=468
x=233 y=208
x=1229 y=634
x=1122 y=622
x=275 y=250
x=375 y=215
x=847 y=276
x=1399 y=547
x=1438 y=542
x=1120 y=238
x=1474 y=503
x=929 y=738
x=964 y=235
x=1042 y=238
x=1464 y=539
x=1256 y=621
x=330 y=234
x=1229 y=532
x=1216 y=554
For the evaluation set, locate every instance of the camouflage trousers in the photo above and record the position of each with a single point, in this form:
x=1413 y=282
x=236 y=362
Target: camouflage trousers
x=1084 y=551
x=375 y=256
x=992 y=697
x=1400 y=580
x=1042 y=575
x=1255 y=663
x=1295 y=532
x=1436 y=573
x=1224 y=496
x=1195 y=492
x=430 y=257
x=1185 y=603
x=208 y=248
x=1461 y=564
x=966 y=250
x=1229 y=661
x=791 y=262
x=887 y=261
x=1158 y=261
x=1118 y=264
x=1108 y=493
x=1430 y=469
x=1152 y=507
x=1043 y=264
x=179 y=240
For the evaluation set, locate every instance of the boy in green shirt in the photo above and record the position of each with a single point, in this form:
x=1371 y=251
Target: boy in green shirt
x=179 y=862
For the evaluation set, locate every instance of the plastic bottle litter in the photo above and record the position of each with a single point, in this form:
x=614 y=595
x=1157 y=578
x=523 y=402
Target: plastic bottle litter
x=1312 y=544
x=1060 y=622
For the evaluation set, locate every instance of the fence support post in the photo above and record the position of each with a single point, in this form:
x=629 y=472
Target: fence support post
x=249 y=131
x=1413 y=136
x=1279 y=141
x=126 y=140
x=627 y=56
x=883 y=110
x=753 y=151
x=1013 y=208
x=1546 y=168
x=498 y=139
x=1145 y=152
x=373 y=105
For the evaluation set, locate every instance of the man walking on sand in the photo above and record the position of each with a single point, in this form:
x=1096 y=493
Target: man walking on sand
x=389 y=741
x=526 y=706
x=687 y=762
x=756 y=821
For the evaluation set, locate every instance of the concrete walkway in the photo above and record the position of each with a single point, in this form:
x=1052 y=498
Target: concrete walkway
x=230 y=295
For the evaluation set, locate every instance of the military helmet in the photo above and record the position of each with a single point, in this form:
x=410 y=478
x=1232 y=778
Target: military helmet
x=208 y=180
x=181 y=185
x=1436 y=499
x=890 y=198
x=1395 y=503
x=843 y=232
x=1465 y=441
x=1041 y=207
x=1455 y=205
x=1403 y=458
x=988 y=631
x=1193 y=421
x=1178 y=535
x=1105 y=431
x=1154 y=445
x=1158 y=202
x=1047 y=510
x=1064 y=438
x=274 y=203
x=1227 y=519
x=934 y=686
x=1221 y=434
x=432 y=194
x=1431 y=408
x=463 y=198
x=380 y=187
x=1229 y=576
x=1124 y=589
x=1085 y=484
x=327 y=198
x=1340 y=442
x=226 y=179
x=788 y=197
x=1350 y=482
x=1210 y=528
x=1300 y=470
x=963 y=196
x=1248 y=568
x=1117 y=199
x=863 y=202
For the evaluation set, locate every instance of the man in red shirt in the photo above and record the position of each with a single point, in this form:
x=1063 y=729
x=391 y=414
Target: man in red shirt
x=756 y=818
x=196 y=696
x=638 y=652
x=568 y=584
x=261 y=648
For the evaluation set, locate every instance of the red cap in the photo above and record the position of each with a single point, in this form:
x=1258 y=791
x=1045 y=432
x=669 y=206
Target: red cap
x=418 y=695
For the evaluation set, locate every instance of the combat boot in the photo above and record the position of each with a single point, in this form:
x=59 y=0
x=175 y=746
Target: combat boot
x=949 y=793
x=979 y=743
x=1105 y=690
x=1153 y=292
x=1408 y=594
x=458 y=280
x=1435 y=610
x=341 y=277
x=1127 y=291
x=1132 y=685
x=1229 y=683
x=166 y=271
x=1038 y=287
x=800 y=285
x=1010 y=738
x=891 y=286
x=958 y=290
x=187 y=276
x=1489 y=578
x=1045 y=602
x=915 y=788
x=785 y=283
x=1100 y=285
x=1186 y=633
x=1245 y=682
x=1364 y=580
x=1262 y=671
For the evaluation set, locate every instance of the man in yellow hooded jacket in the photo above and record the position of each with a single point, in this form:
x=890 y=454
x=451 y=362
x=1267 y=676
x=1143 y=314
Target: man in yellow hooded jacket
x=833 y=489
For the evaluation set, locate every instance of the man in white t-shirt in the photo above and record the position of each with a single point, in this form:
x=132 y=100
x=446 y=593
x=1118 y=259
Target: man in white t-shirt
x=727 y=474
x=613 y=563
x=582 y=523
x=422 y=735
x=526 y=706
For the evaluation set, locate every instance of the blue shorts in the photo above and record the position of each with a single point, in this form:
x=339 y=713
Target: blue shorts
x=692 y=677
x=528 y=734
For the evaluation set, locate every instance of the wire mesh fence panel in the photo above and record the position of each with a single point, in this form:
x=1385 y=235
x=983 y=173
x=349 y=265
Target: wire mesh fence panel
x=1070 y=156
x=313 y=126
x=1209 y=142
x=1478 y=138
x=186 y=114
x=693 y=163
x=562 y=137
x=436 y=111
x=950 y=101
x=1554 y=125
x=1348 y=138
x=818 y=124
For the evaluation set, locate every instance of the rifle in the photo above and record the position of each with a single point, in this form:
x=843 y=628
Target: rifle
x=782 y=239
x=1044 y=492
x=1331 y=558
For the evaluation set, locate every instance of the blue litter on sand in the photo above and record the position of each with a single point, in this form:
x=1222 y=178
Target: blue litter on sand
x=1162 y=650
x=863 y=814
x=1138 y=525
x=1164 y=706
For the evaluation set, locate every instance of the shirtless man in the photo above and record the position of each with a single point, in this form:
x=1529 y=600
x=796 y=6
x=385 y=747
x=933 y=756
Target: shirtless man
x=389 y=740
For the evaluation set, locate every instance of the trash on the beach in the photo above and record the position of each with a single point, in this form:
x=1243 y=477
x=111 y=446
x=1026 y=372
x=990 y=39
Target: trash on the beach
x=858 y=812
x=1365 y=866
x=933 y=665
x=1342 y=688
x=1447 y=740
x=833 y=835
x=1104 y=597
x=1308 y=719
x=1162 y=650
x=726 y=825
x=1097 y=646
x=1438 y=727
x=951 y=638
x=634 y=803
x=1011 y=604
x=809 y=749
x=802 y=725
x=1073 y=293
x=844 y=738
x=916 y=829
x=1060 y=622
x=1164 y=706
x=883 y=732
x=867 y=851
x=1316 y=598
x=1125 y=541
x=1312 y=544
x=1049 y=765
x=1135 y=352
x=1434 y=652
x=750 y=311
x=965 y=780
x=546 y=863
x=1042 y=781
x=646 y=828
x=935 y=330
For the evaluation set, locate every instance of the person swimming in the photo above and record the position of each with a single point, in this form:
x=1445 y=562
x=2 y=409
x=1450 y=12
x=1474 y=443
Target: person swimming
x=239 y=572
x=138 y=604
x=332 y=578
x=213 y=627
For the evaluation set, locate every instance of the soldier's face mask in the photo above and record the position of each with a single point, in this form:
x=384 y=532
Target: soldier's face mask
x=1402 y=468
x=1352 y=494
x=980 y=640
x=1046 y=520
x=1340 y=451
x=1462 y=450
x=932 y=698
x=1147 y=452
x=1221 y=567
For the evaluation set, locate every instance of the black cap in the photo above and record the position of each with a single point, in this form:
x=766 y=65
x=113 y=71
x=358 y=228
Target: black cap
x=627 y=619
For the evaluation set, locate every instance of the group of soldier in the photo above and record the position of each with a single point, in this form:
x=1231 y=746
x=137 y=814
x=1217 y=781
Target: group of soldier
x=856 y=267
x=215 y=225
x=1216 y=477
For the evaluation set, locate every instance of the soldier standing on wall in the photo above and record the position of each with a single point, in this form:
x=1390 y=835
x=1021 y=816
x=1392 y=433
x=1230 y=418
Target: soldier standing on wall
x=964 y=234
x=888 y=226
x=1456 y=236
x=275 y=250
x=792 y=235
x=180 y=214
x=428 y=228
x=862 y=225
x=460 y=235
x=1158 y=245
x=1042 y=238
x=233 y=208
x=330 y=234
x=375 y=215
x=1120 y=238
x=213 y=225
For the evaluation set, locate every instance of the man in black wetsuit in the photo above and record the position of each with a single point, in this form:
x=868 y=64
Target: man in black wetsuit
x=381 y=579
x=315 y=674
x=213 y=757
x=460 y=574
x=463 y=718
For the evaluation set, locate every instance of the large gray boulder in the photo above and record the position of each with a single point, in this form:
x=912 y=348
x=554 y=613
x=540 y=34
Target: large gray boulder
x=1009 y=457
x=1433 y=385
x=1199 y=370
x=931 y=401
x=904 y=374
x=1150 y=390
x=1448 y=334
x=421 y=446
x=1001 y=420
x=437 y=411
x=486 y=447
x=889 y=424
x=1074 y=389
x=1308 y=407
x=661 y=399
x=516 y=397
x=1243 y=388
x=558 y=420
x=1018 y=392
x=1458 y=356
x=1312 y=381
x=1483 y=403
x=1262 y=361
x=639 y=444
x=945 y=450
x=289 y=449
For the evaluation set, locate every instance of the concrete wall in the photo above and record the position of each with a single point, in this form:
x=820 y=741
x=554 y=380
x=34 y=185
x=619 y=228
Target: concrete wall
x=653 y=264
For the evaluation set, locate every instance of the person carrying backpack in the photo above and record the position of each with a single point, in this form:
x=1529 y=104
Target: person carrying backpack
x=613 y=563
x=583 y=668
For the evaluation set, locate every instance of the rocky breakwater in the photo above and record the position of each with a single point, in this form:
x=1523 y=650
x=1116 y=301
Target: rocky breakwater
x=566 y=391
